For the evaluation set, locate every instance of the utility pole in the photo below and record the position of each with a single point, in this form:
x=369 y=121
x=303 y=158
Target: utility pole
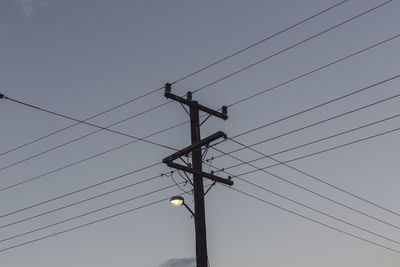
x=196 y=166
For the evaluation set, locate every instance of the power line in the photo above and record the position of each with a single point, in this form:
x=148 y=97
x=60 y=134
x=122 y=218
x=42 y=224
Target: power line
x=72 y=125
x=315 y=70
x=212 y=83
x=324 y=150
x=313 y=220
x=85 y=214
x=180 y=79
x=174 y=126
x=79 y=190
x=81 y=201
x=309 y=190
x=320 y=105
x=239 y=101
x=87 y=158
x=318 y=179
x=83 y=225
x=322 y=121
x=232 y=176
x=293 y=46
x=87 y=123
x=89 y=223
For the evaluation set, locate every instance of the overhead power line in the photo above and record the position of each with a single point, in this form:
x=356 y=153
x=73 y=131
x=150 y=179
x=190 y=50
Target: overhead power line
x=85 y=159
x=85 y=214
x=233 y=176
x=293 y=46
x=83 y=225
x=318 y=179
x=314 y=70
x=323 y=121
x=179 y=79
x=79 y=190
x=309 y=190
x=81 y=201
x=107 y=128
x=89 y=223
x=320 y=105
x=177 y=125
x=315 y=221
x=320 y=151
x=208 y=85
x=174 y=126
x=239 y=101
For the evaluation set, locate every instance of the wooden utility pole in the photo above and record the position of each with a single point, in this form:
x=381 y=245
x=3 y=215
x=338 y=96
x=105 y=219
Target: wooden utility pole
x=196 y=168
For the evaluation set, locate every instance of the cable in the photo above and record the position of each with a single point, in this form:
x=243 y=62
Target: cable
x=89 y=223
x=328 y=149
x=314 y=70
x=287 y=117
x=320 y=105
x=308 y=207
x=78 y=190
x=100 y=128
x=261 y=41
x=225 y=77
x=205 y=86
x=166 y=129
x=293 y=46
x=180 y=79
x=319 y=179
x=84 y=214
x=313 y=220
x=81 y=201
x=320 y=122
x=83 y=225
x=309 y=190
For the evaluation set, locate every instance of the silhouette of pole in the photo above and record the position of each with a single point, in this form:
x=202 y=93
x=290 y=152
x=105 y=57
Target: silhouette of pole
x=196 y=167
x=198 y=191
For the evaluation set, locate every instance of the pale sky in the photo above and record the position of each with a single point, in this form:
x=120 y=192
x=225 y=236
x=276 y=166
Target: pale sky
x=80 y=58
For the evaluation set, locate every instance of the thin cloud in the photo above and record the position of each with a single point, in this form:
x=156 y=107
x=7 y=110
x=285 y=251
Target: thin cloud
x=184 y=262
x=29 y=6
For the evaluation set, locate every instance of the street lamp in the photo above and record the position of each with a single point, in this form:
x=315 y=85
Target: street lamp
x=179 y=201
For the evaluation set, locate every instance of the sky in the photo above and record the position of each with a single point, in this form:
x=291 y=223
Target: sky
x=80 y=58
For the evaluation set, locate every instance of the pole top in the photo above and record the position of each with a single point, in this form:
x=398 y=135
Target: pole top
x=168 y=87
x=2 y=96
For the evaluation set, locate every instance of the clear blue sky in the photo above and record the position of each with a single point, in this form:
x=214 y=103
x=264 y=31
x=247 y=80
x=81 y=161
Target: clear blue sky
x=80 y=58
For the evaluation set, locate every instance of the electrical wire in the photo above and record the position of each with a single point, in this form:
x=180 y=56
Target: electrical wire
x=314 y=70
x=319 y=179
x=309 y=190
x=318 y=123
x=201 y=88
x=292 y=46
x=180 y=79
x=315 y=221
x=208 y=85
x=82 y=201
x=260 y=127
x=324 y=150
x=89 y=223
x=307 y=206
x=83 y=225
x=261 y=41
x=166 y=129
x=100 y=128
x=320 y=105
x=85 y=214
x=78 y=190
x=86 y=159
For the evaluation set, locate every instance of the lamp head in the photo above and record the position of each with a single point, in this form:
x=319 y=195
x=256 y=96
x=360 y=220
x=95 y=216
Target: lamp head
x=177 y=200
